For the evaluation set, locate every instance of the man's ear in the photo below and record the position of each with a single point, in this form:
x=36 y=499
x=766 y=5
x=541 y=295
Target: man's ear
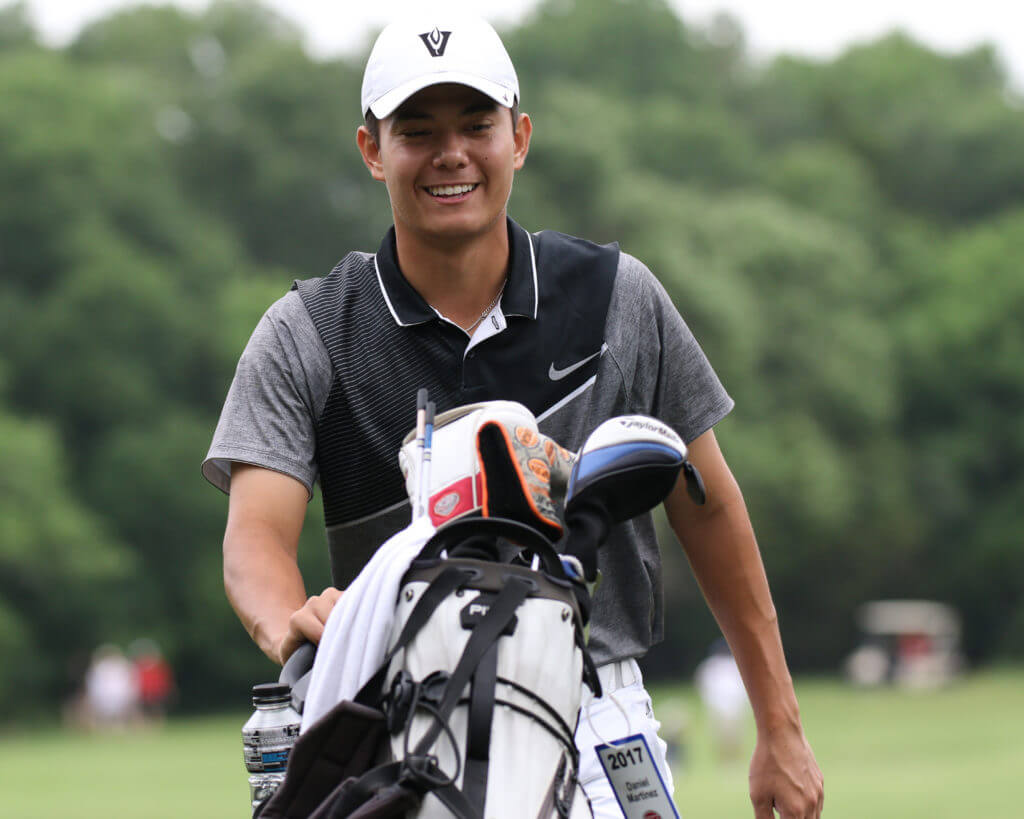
x=370 y=151
x=521 y=140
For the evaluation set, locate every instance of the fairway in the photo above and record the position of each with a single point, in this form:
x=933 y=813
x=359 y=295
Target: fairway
x=942 y=755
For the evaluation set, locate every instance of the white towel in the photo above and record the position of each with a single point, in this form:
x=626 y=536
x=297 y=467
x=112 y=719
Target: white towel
x=355 y=638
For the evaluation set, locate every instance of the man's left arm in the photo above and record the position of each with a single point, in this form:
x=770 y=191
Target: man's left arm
x=719 y=542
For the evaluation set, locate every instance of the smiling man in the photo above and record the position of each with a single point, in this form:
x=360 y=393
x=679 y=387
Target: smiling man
x=463 y=301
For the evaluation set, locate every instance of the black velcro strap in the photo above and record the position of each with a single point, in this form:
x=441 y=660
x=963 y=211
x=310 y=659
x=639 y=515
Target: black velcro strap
x=478 y=729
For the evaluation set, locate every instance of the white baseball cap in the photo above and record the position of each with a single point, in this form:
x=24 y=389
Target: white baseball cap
x=430 y=49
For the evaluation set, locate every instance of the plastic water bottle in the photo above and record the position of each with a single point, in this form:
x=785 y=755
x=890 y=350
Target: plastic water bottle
x=267 y=739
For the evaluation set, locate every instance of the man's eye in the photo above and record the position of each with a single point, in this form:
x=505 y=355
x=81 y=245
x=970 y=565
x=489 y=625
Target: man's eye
x=480 y=126
x=415 y=133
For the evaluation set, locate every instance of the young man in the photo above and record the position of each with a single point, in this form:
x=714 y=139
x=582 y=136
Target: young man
x=463 y=301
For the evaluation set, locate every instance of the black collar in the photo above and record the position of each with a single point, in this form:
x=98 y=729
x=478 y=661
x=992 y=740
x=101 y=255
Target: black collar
x=408 y=307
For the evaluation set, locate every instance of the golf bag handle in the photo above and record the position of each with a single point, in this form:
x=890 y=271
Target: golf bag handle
x=296 y=666
x=529 y=539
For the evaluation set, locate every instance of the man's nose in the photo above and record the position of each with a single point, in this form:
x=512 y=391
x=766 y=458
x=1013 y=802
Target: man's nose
x=451 y=151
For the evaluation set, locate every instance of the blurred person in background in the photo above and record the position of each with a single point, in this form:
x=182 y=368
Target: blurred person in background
x=111 y=690
x=721 y=690
x=153 y=678
x=462 y=300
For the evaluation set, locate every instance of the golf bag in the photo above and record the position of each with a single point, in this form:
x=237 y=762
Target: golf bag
x=483 y=677
x=473 y=709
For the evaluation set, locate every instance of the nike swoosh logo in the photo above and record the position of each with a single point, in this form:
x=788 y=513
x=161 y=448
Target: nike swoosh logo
x=558 y=375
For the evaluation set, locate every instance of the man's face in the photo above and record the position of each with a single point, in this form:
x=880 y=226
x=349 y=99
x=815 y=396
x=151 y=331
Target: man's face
x=447 y=156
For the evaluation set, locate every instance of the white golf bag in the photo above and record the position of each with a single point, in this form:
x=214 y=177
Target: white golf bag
x=474 y=705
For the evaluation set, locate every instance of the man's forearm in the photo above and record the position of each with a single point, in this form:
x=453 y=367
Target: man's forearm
x=720 y=545
x=264 y=586
x=723 y=553
x=261 y=544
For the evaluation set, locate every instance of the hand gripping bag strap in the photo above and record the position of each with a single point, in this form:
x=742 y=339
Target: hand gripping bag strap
x=485 y=633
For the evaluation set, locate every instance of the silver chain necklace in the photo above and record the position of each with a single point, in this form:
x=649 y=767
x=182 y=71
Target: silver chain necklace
x=488 y=308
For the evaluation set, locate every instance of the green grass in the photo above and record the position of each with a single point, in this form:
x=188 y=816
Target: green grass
x=945 y=754
x=191 y=768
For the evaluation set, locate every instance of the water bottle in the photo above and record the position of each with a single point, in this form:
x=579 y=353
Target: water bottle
x=267 y=739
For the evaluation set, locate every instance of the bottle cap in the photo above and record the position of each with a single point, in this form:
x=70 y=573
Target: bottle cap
x=271 y=694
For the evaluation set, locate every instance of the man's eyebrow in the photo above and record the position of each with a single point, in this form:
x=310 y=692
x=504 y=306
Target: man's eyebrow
x=478 y=107
x=407 y=113
x=403 y=114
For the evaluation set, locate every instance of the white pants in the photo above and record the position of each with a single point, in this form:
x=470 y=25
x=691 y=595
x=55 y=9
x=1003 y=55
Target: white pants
x=623 y=710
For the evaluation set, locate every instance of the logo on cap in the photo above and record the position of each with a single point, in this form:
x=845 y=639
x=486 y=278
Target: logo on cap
x=436 y=42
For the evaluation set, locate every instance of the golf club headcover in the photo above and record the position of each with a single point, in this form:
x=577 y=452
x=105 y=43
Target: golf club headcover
x=456 y=482
x=627 y=466
x=518 y=466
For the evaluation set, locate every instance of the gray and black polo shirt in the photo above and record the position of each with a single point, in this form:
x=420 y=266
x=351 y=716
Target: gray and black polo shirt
x=326 y=390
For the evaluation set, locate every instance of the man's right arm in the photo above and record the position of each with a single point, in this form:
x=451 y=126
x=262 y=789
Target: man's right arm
x=261 y=573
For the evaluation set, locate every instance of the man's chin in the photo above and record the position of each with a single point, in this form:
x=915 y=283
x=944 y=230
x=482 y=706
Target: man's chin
x=458 y=230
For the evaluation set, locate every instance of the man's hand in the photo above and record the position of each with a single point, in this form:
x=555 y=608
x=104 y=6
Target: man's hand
x=784 y=776
x=307 y=624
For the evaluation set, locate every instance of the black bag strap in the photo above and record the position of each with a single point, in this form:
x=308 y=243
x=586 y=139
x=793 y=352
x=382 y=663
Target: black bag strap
x=478 y=728
x=443 y=585
x=457 y=803
x=485 y=633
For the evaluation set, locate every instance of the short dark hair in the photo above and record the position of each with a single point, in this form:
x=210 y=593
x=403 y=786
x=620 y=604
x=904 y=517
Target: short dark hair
x=373 y=124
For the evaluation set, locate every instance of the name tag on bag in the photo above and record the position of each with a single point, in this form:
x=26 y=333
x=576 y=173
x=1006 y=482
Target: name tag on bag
x=634 y=777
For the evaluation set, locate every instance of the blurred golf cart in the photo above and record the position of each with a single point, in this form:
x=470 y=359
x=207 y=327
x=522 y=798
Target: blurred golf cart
x=912 y=643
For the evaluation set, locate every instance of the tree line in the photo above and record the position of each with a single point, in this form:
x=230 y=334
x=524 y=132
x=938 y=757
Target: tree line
x=845 y=238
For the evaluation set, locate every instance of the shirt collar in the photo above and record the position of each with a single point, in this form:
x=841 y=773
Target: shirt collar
x=408 y=307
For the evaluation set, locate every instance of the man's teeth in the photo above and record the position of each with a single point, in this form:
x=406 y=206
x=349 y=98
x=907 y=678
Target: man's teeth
x=450 y=190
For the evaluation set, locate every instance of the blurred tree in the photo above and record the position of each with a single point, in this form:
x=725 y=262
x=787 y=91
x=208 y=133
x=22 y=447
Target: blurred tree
x=843 y=237
x=61 y=570
x=937 y=129
x=630 y=50
x=964 y=393
x=16 y=29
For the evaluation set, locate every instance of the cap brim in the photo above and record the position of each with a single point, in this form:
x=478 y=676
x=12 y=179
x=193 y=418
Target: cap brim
x=386 y=104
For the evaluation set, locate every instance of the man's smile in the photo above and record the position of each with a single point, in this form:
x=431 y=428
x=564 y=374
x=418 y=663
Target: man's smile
x=451 y=192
